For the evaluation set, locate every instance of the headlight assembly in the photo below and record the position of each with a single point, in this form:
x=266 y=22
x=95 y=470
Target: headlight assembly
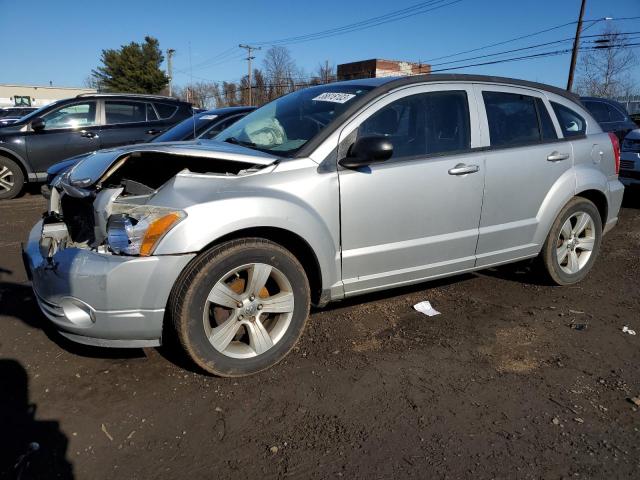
x=137 y=230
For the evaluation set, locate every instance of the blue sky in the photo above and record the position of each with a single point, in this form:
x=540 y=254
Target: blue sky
x=61 y=41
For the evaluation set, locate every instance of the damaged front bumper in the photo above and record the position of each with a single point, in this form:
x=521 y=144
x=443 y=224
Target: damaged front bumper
x=103 y=299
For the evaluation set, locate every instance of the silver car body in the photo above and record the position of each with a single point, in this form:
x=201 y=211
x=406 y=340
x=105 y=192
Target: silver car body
x=398 y=223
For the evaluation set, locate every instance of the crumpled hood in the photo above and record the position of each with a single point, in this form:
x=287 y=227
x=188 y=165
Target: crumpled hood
x=90 y=168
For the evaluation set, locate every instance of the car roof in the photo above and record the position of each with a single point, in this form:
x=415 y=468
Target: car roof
x=399 y=81
x=137 y=96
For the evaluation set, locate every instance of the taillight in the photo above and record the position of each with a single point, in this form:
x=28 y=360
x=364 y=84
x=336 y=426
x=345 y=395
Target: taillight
x=616 y=150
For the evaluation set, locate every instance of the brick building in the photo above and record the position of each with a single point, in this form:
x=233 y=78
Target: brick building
x=377 y=67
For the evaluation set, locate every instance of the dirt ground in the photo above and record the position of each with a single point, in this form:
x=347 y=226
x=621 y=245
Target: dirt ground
x=513 y=380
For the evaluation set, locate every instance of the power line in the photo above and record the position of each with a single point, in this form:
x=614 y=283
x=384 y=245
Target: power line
x=419 y=9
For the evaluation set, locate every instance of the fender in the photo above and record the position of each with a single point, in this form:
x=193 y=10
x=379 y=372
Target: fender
x=307 y=208
x=563 y=190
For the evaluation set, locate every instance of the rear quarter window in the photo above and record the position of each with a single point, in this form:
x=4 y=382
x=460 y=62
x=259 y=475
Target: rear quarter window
x=165 y=110
x=571 y=123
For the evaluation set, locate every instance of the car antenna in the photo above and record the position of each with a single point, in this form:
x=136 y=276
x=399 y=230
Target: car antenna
x=193 y=113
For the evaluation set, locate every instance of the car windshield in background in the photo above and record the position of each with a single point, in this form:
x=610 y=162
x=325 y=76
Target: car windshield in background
x=38 y=112
x=184 y=130
x=286 y=124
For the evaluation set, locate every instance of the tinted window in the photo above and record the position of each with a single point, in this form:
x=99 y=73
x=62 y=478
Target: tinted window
x=571 y=123
x=512 y=118
x=598 y=110
x=422 y=124
x=546 y=125
x=69 y=116
x=614 y=114
x=124 y=112
x=164 y=110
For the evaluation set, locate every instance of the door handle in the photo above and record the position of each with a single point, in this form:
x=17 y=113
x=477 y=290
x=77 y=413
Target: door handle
x=153 y=131
x=462 y=169
x=557 y=156
x=86 y=134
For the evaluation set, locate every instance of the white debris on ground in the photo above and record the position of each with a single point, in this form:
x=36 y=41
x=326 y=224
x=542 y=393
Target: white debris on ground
x=426 y=308
x=626 y=329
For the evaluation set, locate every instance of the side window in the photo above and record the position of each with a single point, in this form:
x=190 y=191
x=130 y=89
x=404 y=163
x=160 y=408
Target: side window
x=546 y=125
x=124 y=112
x=151 y=113
x=70 y=116
x=598 y=110
x=217 y=128
x=165 y=111
x=571 y=123
x=512 y=118
x=614 y=114
x=423 y=124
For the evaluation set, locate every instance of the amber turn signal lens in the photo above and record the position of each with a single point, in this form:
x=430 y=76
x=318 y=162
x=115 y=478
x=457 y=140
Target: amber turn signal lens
x=156 y=231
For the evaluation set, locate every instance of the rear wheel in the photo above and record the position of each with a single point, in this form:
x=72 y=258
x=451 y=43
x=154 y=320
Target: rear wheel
x=11 y=178
x=240 y=307
x=573 y=242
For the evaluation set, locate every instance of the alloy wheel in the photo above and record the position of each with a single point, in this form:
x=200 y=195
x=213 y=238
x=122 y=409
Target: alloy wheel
x=6 y=179
x=248 y=310
x=575 y=242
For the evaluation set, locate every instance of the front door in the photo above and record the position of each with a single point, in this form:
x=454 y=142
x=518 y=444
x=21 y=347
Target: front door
x=416 y=215
x=68 y=131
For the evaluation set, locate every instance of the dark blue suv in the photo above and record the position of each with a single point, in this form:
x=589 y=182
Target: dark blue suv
x=73 y=126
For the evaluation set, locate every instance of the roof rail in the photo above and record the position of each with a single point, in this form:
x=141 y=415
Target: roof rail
x=137 y=95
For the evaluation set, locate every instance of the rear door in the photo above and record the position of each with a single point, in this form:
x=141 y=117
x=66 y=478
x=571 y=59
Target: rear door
x=69 y=130
x=524 y=159
x=127 y=122
x=416 y=215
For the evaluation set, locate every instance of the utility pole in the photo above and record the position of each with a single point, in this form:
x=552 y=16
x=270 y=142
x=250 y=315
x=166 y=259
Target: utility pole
x=576 y=46
x=249 y=48
x=170 y=52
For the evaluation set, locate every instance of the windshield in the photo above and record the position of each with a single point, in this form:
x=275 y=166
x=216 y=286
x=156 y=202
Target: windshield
x=286 y=124
x=38 y=112
x=184 y=130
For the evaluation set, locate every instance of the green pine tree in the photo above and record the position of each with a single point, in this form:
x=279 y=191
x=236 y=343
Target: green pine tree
x=134 y=68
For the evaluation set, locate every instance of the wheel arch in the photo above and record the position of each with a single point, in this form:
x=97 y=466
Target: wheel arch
x=599 y=199
x=293 y=242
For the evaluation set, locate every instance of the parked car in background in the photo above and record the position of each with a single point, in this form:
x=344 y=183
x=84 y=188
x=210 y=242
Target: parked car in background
x=636 y=118
x=69 y=127
x=630 y=159
x=205 y=125
x=326 y=193
x=611 y=115
x=13 y=114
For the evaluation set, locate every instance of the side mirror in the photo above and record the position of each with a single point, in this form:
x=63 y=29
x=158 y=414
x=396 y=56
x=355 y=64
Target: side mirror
x=368 y=150
x=37 y=124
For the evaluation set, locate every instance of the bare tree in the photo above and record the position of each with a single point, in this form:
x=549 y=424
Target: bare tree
x=326 y=72
x=280 y=69
x=200 y=94
x=605 y=71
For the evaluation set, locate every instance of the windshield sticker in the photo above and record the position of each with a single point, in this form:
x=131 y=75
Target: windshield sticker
x=208 y=117
x=334 y=97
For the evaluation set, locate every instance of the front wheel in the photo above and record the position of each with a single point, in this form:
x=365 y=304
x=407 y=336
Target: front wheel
x=11 y=178
x=573 y=242
x=240 y=307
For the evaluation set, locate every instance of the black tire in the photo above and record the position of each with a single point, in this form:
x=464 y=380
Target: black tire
x=189 y=297
x=548 y=255
x=11 y=179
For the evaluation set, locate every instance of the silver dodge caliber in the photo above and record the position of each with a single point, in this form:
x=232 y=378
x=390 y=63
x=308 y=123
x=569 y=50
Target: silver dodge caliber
x=326 y=193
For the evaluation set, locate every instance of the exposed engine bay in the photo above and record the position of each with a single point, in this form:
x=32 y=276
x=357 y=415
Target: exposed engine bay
x=111 y=215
